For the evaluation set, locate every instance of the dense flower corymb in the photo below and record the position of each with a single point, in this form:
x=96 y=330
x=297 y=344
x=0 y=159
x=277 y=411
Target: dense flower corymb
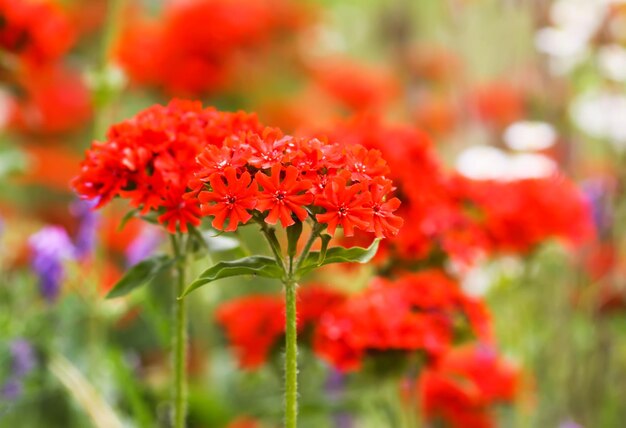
x=183 y=161
x=282 y=178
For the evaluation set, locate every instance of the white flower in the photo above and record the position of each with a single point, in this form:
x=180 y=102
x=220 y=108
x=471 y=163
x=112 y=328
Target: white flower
x=612 y=62
x=527 y=135
x=602 y=115
x=490 y=163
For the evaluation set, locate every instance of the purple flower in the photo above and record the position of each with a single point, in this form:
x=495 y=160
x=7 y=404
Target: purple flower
x=22 y=362
x=49 y=248
x=569 y=424
x=335 y=386
x=11 y=390
x=143 y=245
x=22 y=356
x=596 y=192
x=88 y=220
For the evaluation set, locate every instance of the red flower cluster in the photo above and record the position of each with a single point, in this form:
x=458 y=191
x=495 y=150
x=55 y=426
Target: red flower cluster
x=36 y=32
x=462 y=387
x=289 y=178
x=193 y=47
x=255 y=324
x=518 y=215
x=242 y=168
x=417 y=312
x=463 y=218
x=54 y=100
x=150 y=158
x=434 y=219
x=357 y=87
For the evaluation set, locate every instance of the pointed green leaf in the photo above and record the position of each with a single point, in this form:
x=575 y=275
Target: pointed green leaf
x=316 y=259
x=140 y=274
x=254 y=265
x=325 y=240
x=129 y=215
x=293 y=235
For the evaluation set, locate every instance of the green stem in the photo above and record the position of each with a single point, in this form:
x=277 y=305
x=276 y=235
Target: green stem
x=315 y=233
x=111 y=29
x=180 y=338
x=291 y=356
x=270 y=236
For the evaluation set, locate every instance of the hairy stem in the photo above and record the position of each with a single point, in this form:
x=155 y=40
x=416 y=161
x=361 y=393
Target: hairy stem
x=180 y=338
x=291 y=356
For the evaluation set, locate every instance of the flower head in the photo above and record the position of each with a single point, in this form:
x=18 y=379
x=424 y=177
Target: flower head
x=346 y=206
x=230 y=198
x=283 y=198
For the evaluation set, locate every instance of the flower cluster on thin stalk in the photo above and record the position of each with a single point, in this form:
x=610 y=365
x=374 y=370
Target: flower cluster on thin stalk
x=180 y=162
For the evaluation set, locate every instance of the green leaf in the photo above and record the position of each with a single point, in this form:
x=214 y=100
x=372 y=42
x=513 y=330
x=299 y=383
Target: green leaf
x=325 y=240
x=221 y=244
x=129 y=215
x=214 y=243
x=293 y=234
x=316 y=259
x=253 y=265
x=140 y=274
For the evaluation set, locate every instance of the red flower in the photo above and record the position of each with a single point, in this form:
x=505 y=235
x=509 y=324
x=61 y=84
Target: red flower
x=345 y=206
x=54 y=100
x=253 y=325
x=268 y=149
x=151 y=158
x=36 y=31
x=519 y=215
x=256 y=324
x=230 y=198
x=365 y=164
x=417 y=312
x=356 y=86
x=173 y=159
x=282 y=198
x=193 y=48
x=385 y=223
x=216 y=159
x=463 y=387
x=435 y=218
x=497 y=103
x=179 y=211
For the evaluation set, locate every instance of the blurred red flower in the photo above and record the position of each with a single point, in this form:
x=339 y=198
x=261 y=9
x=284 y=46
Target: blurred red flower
x=37 y=32
x=357 y=87
x=462 y=387
x=497 y=103
x=255 y=324
x=192 y=48
x=53 y=100
x=417 y=312
x=521 y=214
